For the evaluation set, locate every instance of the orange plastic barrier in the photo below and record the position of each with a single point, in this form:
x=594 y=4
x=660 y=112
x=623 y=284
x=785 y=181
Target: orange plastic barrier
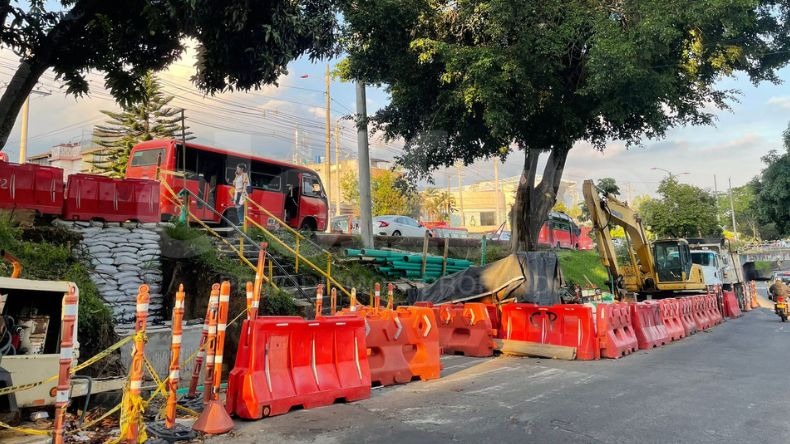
x=686 y=305
x=650 y=331
x=565 y=325
x=615 y=333
x=286 y=361
x=670 y=316
x=731 y=308
x=465 y=329
x=711 y=306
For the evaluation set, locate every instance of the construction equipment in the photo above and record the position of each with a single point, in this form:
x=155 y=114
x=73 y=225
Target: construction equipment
x=660 y=269
x=726 y=266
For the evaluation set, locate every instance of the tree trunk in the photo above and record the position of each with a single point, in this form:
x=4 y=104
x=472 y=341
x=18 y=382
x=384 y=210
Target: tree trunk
x=534 y=201
x=20 y=86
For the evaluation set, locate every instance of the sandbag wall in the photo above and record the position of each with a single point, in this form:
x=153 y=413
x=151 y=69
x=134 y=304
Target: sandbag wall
x=121 y=257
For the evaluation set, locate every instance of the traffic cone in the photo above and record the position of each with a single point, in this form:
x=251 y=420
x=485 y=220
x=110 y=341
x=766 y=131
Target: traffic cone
x=214 y=419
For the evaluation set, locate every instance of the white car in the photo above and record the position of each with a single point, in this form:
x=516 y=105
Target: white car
x=399 y=226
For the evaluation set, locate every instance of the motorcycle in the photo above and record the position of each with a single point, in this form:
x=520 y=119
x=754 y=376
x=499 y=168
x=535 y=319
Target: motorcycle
x=780 y=308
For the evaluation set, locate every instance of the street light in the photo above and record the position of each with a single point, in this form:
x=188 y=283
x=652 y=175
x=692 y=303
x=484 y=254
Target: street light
x=670 y=173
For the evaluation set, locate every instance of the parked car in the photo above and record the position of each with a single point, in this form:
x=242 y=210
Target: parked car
x=399 y=226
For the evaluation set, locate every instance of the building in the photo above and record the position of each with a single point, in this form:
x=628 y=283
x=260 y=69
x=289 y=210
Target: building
x=476 y=206
x=72 y=157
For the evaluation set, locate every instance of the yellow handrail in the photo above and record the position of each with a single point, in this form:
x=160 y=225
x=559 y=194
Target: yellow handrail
x=323 y=273
x=215 y=234
x=284 y=225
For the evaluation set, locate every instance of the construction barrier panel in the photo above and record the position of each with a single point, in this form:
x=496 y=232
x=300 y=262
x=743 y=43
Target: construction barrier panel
x=701 y=316
x=731 y=308
x=670 y=316
x=112 y=200
x=615 y=333
x=711 y=306
x=563 y=325
x=686 y=317
x=650 y=330
x=31 y=187
x=465 y=329
x=285 y=362
x=495 y=315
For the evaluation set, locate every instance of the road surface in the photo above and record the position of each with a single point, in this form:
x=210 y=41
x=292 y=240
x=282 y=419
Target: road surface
x=726 y=385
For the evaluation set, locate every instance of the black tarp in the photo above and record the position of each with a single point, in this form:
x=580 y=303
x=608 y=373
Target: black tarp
x=528 y=277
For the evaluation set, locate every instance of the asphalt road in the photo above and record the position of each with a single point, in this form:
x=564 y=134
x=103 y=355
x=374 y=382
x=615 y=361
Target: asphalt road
x=725 y=385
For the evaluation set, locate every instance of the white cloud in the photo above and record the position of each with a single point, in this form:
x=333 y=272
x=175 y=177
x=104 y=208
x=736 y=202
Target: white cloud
x=780 y=102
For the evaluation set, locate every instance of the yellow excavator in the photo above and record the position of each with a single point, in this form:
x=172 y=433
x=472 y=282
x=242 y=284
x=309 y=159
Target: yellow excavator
x=658 y=270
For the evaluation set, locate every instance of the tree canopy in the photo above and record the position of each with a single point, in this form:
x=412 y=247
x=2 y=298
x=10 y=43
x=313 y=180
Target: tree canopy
x=683 y=210
x=150 y=118
x=746 y=212
x=479 y=79
x=240 y=44
x=437 y=204
x=389 y=193
x=772 y=189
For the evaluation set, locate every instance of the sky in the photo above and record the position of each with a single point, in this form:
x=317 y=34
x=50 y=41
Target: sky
x=265 y=122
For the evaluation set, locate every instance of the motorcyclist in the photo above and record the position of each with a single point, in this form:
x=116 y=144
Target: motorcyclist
x=777 y=288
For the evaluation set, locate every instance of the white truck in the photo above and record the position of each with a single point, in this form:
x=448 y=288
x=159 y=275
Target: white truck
x=720 y=265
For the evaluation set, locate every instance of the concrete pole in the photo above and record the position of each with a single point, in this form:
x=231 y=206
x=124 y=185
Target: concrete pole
x=23 y=131
x=365 y=203
x=732 y=211
x=497 y=192
x=337 y=170
x=327 y=151
x=461 y=196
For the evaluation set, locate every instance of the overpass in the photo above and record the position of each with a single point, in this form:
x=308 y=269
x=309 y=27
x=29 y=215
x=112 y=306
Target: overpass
x=778 y=258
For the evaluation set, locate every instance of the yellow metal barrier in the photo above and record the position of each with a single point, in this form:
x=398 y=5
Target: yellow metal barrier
x=325 y=273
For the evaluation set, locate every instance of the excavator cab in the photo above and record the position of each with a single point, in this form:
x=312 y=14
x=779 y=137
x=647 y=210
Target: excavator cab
x=673 y=260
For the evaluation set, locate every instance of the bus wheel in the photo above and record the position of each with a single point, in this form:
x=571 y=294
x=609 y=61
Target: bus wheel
x=308 y=225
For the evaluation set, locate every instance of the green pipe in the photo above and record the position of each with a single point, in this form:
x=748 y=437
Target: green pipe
x=353 y=252
x=379 y=253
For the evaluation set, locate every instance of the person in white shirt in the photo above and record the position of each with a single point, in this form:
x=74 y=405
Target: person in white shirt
x=240 y=184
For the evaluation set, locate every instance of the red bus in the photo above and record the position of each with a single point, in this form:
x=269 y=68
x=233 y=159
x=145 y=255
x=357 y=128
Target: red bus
x=292 y=193
x=560 y=231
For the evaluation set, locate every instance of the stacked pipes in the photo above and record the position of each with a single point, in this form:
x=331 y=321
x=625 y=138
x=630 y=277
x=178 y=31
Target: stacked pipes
x=400 y=264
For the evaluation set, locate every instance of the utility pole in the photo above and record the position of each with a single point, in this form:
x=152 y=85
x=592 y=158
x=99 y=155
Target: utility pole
x=461 y=195
x=337 y=170
x=732 y=211
x=23 y=129
x=716 y=194
x=497 y=193
x=184 y=146
x=295 y=155
x=365 y=204
x=327 y=152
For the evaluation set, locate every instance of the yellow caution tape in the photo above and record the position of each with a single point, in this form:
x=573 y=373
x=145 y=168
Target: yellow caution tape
x=26 y=431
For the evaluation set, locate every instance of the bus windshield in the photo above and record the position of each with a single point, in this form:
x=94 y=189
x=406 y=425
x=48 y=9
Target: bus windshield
x=148 y=157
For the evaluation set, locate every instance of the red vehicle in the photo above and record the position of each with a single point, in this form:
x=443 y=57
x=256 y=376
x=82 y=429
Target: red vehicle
x=292 y=193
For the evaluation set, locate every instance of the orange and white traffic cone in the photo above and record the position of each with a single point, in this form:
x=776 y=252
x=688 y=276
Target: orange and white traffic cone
x=377 y=297
x=333 y=301
x=132 y=404
x=390 y=296
x=68 y=319
x=170 y=431
x=211 y=342
x=214 y=419
x=353 y=304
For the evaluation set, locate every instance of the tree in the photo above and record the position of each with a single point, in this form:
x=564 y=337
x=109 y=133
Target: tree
x=683 y=210
x=349 y=188
x=772 y=189
x=438 y=205
x=608 y=186
x=746 y=214
x=389 y=195
x=560 y=207
x=149 y=118
x=470 y=80
x=240 y=44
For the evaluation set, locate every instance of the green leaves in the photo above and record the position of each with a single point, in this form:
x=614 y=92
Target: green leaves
x=683 y=210
x=773 y=189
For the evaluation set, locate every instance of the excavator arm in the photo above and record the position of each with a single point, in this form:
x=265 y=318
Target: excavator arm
x=607 y=213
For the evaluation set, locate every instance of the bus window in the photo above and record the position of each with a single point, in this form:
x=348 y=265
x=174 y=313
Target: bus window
x=148 y=157
x=311 y=186
x=266 y=177
x=191 y=167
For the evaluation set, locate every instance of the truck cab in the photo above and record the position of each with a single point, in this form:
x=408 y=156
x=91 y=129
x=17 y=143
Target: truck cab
x=711 y=265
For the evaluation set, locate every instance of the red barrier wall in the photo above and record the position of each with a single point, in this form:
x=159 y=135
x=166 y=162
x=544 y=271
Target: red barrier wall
x=31 y=187
x=284 y=362
x=649 y=329
x=615 y=333
x=566 y=325
x=111 y=200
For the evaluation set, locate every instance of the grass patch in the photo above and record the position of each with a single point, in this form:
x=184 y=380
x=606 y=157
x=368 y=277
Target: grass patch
x=580 y=266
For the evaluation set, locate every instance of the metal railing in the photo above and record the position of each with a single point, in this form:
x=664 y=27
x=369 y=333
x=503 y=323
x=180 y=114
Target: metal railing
x=184 y=205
